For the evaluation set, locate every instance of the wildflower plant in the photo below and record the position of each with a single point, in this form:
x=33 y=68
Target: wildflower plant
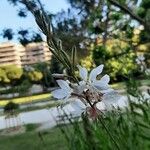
x=90 y=91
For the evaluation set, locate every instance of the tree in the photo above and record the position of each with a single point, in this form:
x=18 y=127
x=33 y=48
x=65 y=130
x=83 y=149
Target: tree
x=24 y=36
x=44 y=68
x=108 y=20
x=8 y=33
x=118 y=58
x=109 y=12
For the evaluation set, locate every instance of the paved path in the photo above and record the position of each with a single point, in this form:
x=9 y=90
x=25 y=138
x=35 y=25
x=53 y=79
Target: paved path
x=43 y=116
x=47 y=117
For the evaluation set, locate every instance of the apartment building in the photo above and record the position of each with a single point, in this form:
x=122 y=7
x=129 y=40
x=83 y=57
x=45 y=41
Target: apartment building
x=35 y=53
x=9 y=54
x=19 y=55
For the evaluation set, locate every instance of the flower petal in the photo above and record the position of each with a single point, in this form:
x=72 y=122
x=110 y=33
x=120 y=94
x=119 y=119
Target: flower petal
x=63 y=84
x=105 y=79
x=81 y=87
x=95 y=72
x=107 y=91
x=100 y=85
x=78 y=106
x=83 y=72
x=61 y=94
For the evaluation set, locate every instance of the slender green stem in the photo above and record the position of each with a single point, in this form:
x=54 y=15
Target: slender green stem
x=108 y=132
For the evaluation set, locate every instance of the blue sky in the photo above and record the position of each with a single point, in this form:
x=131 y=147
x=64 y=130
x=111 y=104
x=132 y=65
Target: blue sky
x=9 y=18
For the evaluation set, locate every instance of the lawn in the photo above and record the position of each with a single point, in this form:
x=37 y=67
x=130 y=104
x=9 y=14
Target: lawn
x=122 y=85
x=52 y=139
x=28 y=99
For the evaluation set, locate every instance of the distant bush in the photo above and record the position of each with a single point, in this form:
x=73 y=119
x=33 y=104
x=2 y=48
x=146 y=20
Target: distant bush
x=35 y=76
x=10 y=107
x=9 y=74
x=3 y=77
x=13 y=72
x=45 y=69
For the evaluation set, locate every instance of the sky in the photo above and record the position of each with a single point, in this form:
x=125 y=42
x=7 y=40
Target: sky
x=9 y=18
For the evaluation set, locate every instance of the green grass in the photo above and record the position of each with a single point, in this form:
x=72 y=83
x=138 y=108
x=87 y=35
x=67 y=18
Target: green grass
x=122 y=85
x=52 y=139
x=129 y=129
x=26 y=100
x=31 y=127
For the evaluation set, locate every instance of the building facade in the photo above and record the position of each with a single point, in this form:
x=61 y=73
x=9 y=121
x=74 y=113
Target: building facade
x=16 y=54
x=9 y=54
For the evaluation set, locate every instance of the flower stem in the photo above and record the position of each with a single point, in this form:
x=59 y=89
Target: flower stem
x=108 y=132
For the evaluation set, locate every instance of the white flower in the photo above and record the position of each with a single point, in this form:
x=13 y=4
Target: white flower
x=92 y=94
x=140 y=59
x=95 y=86
x=108 y=103
x=78 y=106
x=92 y=81
x=109 y=100
x=64 y=92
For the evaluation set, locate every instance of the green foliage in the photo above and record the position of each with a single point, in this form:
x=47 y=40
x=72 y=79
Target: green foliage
x=144 y=12
x=10 y=74
x=121 y=67
x=8 y=33
x=31 y=127
x=35 y=76
x=11 y=106
x=55 y=66
x=3 y=77
x=44 y=68
x=119 y=129
x=117 y=58
x=13 y=72
x=126 y=130
x=52 y=140
x=23 y=87
x=132 y=87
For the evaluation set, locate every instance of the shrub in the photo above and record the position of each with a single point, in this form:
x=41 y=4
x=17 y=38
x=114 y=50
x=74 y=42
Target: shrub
x=35 y=76
x=10 y=107
x=3 y=77
x=13 y=72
